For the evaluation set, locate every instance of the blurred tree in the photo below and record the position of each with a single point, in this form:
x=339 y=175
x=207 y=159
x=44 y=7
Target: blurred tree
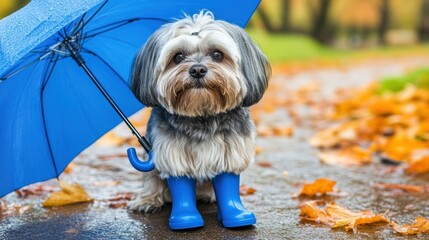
x=320 y=12
x=423 y=28
x=284 y=14
x=384 y=21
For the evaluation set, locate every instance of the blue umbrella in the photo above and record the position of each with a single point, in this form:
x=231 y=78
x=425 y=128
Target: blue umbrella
x=59 y=63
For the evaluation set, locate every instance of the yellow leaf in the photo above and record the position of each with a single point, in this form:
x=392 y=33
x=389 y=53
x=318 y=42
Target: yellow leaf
x=69 y=194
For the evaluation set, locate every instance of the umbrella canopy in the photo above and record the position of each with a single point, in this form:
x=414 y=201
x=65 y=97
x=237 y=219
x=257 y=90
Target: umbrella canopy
x=50 y=110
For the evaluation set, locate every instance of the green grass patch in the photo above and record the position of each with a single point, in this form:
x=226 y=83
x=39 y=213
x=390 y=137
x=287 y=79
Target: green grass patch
x=297 y=48
x=418 y=78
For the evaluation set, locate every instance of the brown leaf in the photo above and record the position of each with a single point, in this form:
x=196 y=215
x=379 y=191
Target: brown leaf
x=69 y=194
x=246 y=190
x=319 y=187
x=120 y=200
x=264 y=164
x=420 y=225
x=34 y=190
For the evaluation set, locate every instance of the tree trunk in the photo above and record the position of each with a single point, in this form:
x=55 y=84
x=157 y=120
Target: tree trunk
x=285 y=16
x=265 y=20
x=320 y=21
x=384 y=22
x=423 y=28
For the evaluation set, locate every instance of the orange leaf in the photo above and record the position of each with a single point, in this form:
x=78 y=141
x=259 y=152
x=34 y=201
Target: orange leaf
x=311 y=211
x=420 y=225
x=419 y=166
x=351 y=220
x=283 y=131
x=319 y=187
x=246 y=190
x=69 y=194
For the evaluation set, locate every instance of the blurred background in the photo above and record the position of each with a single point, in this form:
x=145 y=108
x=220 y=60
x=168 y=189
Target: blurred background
x=296 y=30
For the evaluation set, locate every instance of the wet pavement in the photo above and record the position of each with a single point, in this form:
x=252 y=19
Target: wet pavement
x=293 y=160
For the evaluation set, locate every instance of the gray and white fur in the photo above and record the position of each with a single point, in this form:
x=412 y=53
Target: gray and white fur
x=199 y=75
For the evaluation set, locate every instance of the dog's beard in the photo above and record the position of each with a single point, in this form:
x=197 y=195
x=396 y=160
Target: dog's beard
x=218 y=91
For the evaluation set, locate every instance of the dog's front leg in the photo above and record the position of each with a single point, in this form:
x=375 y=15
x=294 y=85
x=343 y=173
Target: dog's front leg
x=153 y=194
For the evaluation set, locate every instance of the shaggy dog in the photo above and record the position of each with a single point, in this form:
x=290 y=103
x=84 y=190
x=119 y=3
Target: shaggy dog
x=199 y=75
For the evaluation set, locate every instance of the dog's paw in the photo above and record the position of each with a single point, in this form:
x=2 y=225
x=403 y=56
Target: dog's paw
x=145 y=204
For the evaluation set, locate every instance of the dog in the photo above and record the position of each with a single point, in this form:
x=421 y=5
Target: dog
x=199 y=75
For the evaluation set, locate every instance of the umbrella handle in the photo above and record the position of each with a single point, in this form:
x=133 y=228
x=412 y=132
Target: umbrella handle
x=141 y=166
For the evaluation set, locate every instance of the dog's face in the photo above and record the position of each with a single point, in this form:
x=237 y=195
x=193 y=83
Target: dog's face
x=199 y=66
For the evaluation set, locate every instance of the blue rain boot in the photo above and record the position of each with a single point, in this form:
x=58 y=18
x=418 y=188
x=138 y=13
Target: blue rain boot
x=184 y=213
x=231 y=212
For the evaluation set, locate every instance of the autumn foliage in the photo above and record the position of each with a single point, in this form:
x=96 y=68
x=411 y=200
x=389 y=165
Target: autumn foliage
x=393 y=127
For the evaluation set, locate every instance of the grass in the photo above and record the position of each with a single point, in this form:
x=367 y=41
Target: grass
x=418 y=78
x=281 y=48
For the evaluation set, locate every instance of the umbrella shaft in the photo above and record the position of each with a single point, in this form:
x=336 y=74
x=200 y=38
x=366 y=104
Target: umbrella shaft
x=81 y=62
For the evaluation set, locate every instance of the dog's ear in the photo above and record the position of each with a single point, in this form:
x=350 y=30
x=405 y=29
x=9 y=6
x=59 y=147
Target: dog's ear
x=254 y=64
x=143 y=72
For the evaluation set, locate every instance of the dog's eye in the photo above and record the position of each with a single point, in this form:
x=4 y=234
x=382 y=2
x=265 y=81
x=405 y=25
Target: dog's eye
x=217 y=56
x=178 y=58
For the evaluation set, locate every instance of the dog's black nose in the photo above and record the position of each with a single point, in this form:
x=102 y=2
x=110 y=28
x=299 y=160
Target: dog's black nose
x=198 y=71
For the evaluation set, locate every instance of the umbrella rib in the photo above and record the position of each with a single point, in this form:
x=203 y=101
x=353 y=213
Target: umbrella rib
x=48 y=73
x=20 y=69
x=106 y=63
x=117 y=25
x=90 y=18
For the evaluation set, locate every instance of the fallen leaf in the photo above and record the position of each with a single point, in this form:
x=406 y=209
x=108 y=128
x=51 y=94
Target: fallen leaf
x=351 y=156
x=420 y=225
x=34 y=190
x=319 y=187
x=418 y=166
x=3 y=206
x=401 y=187
x=351 y=220
x=258 y=150
x=69 y=168
x=312 y=212
x=246 y=190
x=69 y=194
x=122 y=196
x=337 y=216
x=113 y=156
x=264 y=164
x=13 y=209
x=282 y=131
x=110 y=139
